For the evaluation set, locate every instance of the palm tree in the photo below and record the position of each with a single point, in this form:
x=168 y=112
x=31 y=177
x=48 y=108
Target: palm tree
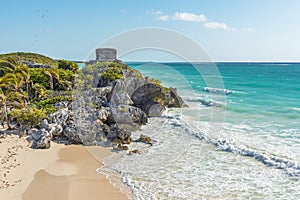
x=15 y=73
x=12 y=81
x=11 y=93
x=40 y=91
x=22 y=72
x=52 y=73
x=3 y=105
x=10 y=98
x=5 y=67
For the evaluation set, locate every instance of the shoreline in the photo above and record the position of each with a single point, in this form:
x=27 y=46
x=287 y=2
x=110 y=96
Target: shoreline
x=61 y=172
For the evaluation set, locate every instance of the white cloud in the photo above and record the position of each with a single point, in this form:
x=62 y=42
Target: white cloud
x=159 y=15
x=162 y=18
x=215 y=25
x=191 y=17
x=178 y=16
x=218 y=25
x=184 y=16
x=156 y=12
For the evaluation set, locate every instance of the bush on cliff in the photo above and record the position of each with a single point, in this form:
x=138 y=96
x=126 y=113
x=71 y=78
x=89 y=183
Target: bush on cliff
x=90 y=75
x=29 y=116
x=68 y=65
x=113 y=72
x=30 y=57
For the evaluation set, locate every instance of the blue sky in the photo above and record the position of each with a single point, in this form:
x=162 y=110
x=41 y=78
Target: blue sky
x=229 y=30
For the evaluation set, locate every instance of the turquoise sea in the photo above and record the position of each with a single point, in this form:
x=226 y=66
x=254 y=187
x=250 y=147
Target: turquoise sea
x=239 y=137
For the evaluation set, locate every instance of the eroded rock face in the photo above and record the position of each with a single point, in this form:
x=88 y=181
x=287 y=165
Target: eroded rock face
x=119 y=94
x=107 y=113
x=176 y=99
x=85 y=130
x=155 y=110
x=40 y=138
x=119 y=135
x=59 y=117
x=53 y=128
x=129 y=115
x=103 y=114
x=43 y=143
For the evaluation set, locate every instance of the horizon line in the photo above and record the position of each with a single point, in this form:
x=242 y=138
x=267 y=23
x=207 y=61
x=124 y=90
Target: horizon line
x=281 y=62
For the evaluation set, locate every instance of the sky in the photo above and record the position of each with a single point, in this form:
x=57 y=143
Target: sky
x=228 y=30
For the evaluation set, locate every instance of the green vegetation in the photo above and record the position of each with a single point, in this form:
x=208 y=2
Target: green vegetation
x=47 y=104
x=29 y=57
x=106 y=71
x=68 y=65
x=123 y=109
x=29 y=116
x=28 y=94
x=38 y=76
x=112 y=73
x=159 y=84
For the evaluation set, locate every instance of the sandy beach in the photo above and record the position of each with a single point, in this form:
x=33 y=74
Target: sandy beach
x=61 y=172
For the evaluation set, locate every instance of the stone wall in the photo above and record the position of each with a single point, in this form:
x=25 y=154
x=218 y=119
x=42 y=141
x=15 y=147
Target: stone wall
x=106 y=54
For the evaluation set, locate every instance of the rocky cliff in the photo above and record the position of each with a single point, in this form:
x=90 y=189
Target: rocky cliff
x=110 y=102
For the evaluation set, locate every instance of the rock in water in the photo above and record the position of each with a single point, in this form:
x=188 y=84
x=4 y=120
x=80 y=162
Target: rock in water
x=130 y=116
x=119 y=135
x=135 y=151
x=156 y=110
x=177 y=100
x=145 y=139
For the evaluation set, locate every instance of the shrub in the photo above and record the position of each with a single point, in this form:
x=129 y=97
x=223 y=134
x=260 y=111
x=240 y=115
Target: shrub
x=28 y=117
x=66 y=80
x=47 y=105
x=68 y=65
x=37 y=76
x=159 y=84
x=112 y=73
x=30 y=57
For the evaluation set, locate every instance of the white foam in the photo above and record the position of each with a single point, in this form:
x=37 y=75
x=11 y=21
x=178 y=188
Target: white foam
x=296 y=109
x=237 y=164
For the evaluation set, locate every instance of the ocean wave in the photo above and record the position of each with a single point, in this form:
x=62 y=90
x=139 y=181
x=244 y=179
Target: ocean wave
x=290 y=166
x=217 y=90
x=207 y=102
x=296 y=109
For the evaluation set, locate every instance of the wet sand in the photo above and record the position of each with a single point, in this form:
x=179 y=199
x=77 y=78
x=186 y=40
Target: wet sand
x=60 y=173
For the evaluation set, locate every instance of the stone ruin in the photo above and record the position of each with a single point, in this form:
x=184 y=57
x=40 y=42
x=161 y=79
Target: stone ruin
x=106 y=55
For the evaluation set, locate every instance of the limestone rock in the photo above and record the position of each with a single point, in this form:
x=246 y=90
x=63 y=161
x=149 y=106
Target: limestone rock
x=60 y=117
x=43 y=143
x=62 y=104
x=40 y=137
x=145 y=139
x=103 y=114
x=119 y=94
x=176 y=99
x=53 y=129
x=155 y=110
x=127 y=115
x=135 y=151
x=119 y=135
